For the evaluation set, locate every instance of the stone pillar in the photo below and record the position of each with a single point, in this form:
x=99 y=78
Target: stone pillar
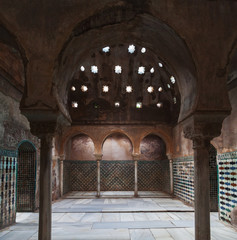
x=98 y=158
x=201 y=129
x=136 y=157
x=171 y=174
x=45 y=187
x=45 y=132
x=62 y=157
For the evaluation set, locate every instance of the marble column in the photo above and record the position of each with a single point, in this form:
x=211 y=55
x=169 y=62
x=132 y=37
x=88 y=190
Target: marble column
x=136 y=157
x=201 y=129
x=62 y=157
x=98 y=158
x=45 y=187
x=171 y=174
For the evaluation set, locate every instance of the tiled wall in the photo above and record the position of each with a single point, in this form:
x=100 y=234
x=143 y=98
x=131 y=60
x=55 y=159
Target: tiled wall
x=8 y=166
x=227 y=164
x=183 y=170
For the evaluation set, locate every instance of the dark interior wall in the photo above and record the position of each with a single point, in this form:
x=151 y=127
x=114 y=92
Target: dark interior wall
x=14 y=128
x=80 y=147
x=117 y=147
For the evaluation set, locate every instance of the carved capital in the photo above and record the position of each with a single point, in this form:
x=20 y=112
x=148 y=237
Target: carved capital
x=41 y=129
x=136 y=156
x=98 y=157
x=202 y=128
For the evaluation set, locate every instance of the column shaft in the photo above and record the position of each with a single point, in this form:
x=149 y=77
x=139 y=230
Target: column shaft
x=202 y=191
x=98 y=178
x=45 y=188
x=136 y=179
x=171 y=177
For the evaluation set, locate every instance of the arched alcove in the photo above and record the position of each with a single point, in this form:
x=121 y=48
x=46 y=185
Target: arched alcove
x=117 y=169
x=152 y=147
x=26 y=177
x=80 y=147
x=117 y=146
x=153 y=167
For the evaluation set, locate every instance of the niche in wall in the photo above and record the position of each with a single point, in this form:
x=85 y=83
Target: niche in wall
x=80 y=147
x=117 y=147
x=152 y=148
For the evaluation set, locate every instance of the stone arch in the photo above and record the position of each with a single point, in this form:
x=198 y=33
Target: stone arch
x=26 y=177
x=125 y=142
x=127 y=24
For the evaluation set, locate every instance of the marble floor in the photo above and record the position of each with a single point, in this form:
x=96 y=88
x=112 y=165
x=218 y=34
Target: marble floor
x=117 y=218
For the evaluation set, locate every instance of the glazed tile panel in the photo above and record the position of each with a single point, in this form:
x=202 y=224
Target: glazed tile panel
x=227 y=164
x=8 y=166
x=183 y=173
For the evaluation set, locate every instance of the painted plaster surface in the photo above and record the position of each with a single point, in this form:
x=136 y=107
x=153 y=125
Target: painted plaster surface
x=117 y=147
x=81 y=148
x=153 y=148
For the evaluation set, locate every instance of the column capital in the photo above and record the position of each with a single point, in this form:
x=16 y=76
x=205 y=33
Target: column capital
x=98 y=156
x=136 y=156
x=62 y=157
x=203 y=127
x=45 y=122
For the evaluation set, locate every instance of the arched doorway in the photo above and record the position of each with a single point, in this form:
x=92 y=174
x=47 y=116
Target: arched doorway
x=26 y=177
x=153 y=166
x=117 y=167
x=213 y=179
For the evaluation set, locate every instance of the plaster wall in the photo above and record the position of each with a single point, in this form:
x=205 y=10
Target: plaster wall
x=117 y=147
x=80 y=147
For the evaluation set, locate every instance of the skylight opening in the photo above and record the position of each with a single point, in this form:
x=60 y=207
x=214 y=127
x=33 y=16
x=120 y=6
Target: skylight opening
x=74 y=104
x=159 y=104
x=160 y=89
x=84 y=88
x=94 y=69
x=131 y=48
x=128 y=89
x=143 y=50
x=172 y=79
x=105 y=88
x=139 y=105
x=117 y=104
x=152 y=70
x=160 y=64
x=106 y=49
x=73 y=88
x=118 y=69
x=141 y=70
x=82 y=68
x=175 y=100
x=150 y=89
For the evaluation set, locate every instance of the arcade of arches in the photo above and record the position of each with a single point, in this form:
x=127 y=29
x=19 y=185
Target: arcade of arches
x=118 y=96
